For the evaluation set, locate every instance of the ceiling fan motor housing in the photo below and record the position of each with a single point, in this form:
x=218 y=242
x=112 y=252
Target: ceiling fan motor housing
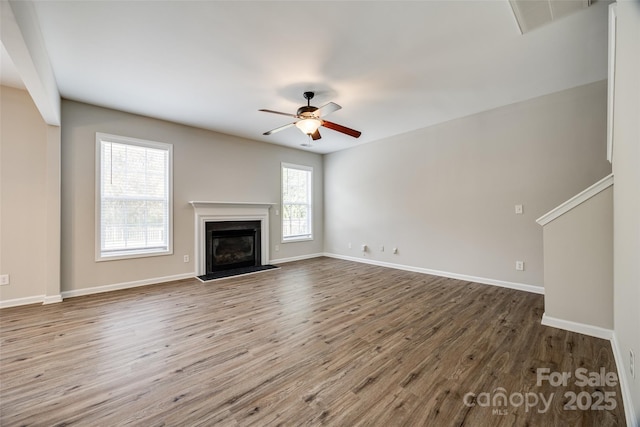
x=307 y=111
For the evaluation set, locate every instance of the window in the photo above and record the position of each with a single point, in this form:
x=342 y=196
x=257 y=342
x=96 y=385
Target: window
x=296 y=203
x=133 y=197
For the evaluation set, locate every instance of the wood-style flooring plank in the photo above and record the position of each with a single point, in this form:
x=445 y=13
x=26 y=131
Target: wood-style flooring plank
x=316 y=342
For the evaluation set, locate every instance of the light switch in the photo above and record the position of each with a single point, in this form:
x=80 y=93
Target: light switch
x=519 y=210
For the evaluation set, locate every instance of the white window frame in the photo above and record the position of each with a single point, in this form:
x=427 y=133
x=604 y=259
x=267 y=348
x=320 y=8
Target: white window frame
x=310 y=204
x=137 y=253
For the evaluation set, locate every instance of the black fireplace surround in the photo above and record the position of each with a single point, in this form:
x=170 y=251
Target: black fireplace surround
x=232 y=245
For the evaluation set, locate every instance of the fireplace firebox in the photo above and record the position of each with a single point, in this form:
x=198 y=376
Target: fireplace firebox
x=232 y=244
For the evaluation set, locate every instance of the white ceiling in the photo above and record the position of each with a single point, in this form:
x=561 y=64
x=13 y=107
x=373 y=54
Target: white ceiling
x=393 y=66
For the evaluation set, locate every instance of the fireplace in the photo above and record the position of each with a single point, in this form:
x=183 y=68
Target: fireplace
x=232 y=244
x=229 y=212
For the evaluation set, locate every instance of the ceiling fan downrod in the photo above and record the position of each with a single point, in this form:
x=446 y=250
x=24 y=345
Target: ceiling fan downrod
x=308 y=96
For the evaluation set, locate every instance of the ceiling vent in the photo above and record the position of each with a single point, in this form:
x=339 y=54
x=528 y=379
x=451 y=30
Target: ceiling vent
x=533 y=14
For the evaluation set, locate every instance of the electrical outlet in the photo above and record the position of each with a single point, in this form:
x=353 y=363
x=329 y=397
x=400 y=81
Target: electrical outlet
x=277 y=248
x=4 y=279
x=519 y=210
x=520 y=265
x=349 y=245
x=632 y=364
x=381 y=248
x=395 y=250
x=186 y=258
x=363 y=248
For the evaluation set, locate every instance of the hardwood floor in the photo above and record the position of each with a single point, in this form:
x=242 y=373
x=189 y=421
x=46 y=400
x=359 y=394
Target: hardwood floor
x=317 y=342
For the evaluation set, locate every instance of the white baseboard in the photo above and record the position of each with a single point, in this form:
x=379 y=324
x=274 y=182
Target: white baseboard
x=295 y=258
x=610 y=335
x=125 y=285
x=475 y=279
x=581 y=328
x=629 y=412
x=37 y=299
x=52 y=299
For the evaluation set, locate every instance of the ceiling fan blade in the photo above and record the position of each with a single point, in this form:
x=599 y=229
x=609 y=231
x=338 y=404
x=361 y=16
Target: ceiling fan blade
x=278 y=129
x=316 y=135
x=327 y=109
x=279 y=112
x=351 y=132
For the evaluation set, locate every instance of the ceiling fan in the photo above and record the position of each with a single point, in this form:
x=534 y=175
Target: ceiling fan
x=310 y=119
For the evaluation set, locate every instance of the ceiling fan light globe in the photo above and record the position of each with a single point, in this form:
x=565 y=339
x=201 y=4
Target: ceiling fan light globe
x=308 y=126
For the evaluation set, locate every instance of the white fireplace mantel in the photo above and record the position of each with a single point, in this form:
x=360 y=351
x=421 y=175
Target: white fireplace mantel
x=228 y=211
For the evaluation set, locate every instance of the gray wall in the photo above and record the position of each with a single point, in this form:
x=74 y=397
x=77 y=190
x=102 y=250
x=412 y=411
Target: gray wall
x=626 y=198
x=208 y=166
x=578 y=263
x=445 y=195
